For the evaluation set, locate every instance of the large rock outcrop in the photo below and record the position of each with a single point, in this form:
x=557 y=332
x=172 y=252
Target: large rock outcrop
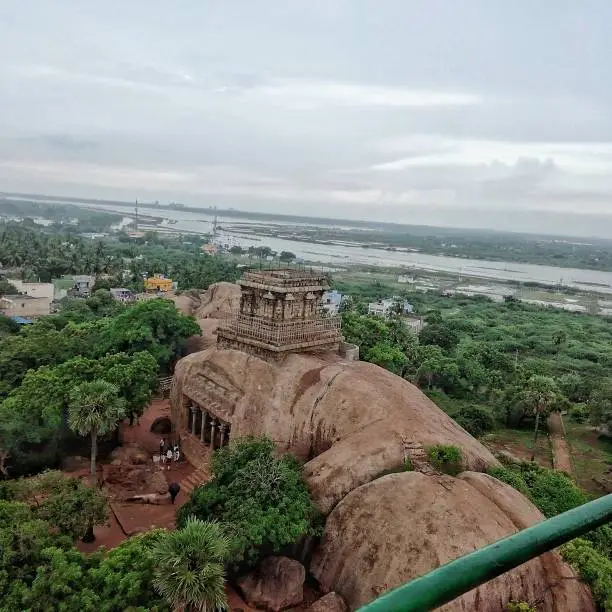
x=208 y=308
x=349 y=421
x=352 y=423
x=219 y=301
x=276 y=584
x=403 y=525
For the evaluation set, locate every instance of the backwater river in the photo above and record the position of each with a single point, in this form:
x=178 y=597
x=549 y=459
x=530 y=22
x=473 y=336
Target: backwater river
x=338 y=255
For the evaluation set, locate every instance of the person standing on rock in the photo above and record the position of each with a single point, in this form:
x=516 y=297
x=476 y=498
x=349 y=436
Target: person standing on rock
x=173 y=490
x=169 y=456
x=161 y=447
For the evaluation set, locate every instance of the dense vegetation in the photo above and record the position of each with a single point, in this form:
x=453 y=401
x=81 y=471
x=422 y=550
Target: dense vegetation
x=553 y=493
x=41 y=570
x=479 y=360
x=261 y=499
x=33 y=253
x=42 y=364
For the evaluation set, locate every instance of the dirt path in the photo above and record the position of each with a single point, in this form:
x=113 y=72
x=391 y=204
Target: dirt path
x=560 y=447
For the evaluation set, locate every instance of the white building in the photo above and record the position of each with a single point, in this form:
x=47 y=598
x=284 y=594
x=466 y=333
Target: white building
x=383 y=308
x=406 y=278
x=331 y=301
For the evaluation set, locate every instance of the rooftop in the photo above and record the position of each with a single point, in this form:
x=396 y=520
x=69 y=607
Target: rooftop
x=284 y=280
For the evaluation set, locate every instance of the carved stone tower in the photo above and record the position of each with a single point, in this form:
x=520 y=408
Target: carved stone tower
x=281 y=312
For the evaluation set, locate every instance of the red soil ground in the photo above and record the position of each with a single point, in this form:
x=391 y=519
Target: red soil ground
x=560 y=446
x=134 y=517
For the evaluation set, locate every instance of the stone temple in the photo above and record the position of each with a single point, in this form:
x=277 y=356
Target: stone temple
x=280 y=312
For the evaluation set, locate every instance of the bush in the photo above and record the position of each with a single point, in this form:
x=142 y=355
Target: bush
x=510 y=476
x=594 y=568
x=519 y=606
x=261 y=499
x=408 y=466
x=475 y=420
x=553 y=493
x=579 y=413
x=447 y=459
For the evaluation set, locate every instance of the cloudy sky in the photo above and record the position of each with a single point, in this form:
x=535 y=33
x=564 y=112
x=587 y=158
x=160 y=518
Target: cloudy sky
x=483 y=113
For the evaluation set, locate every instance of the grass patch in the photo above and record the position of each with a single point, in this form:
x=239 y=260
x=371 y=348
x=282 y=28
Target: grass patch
x=447 y=459
x=591 y=455
x=519 y=442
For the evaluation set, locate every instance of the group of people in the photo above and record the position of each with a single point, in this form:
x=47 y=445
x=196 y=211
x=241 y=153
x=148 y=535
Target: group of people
x=168 y=453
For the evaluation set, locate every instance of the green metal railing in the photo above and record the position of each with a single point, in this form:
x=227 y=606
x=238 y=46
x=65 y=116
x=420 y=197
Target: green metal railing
x=465 y=573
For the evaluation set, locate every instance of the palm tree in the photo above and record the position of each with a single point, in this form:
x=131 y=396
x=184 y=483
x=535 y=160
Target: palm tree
x=95 y=408
x=539 y=395
x=189 y=567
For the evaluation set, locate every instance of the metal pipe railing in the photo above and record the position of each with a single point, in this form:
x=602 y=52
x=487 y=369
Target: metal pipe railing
x=466 y=573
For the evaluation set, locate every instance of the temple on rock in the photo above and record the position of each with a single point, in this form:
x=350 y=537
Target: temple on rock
x=281 y=311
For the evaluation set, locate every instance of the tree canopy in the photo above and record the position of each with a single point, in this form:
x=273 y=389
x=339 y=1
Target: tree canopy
x=260 y=498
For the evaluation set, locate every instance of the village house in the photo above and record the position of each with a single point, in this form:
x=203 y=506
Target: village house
x=83 y=285
x=25 y=306
x=331 y=301
x=384 y=308
x=158 y=283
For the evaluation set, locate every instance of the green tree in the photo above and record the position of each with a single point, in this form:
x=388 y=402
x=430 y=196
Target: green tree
x=387 y=356
x=95 y=409
x=261 y=497
x=286 y=256
x=7 y=288
x=31 y=420
x=135 y=376
x=439 y=334
x=189 y=566
x=23 y=540
x=600 y=406
x=67 y=503
x=436 y=368
x=539 y=396
x=153 y=325
x=123 y=579
x=559 y=337
x=7 y=326
x=475 y=420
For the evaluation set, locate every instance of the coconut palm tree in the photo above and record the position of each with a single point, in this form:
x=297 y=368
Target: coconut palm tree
x=95 y=408
x=539 y=395
x=189 y=567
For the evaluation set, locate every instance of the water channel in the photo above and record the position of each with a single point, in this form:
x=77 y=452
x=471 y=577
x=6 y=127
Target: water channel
x=342 y=254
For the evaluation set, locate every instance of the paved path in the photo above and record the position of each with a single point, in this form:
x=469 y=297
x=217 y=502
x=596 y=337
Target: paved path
x=560 y=446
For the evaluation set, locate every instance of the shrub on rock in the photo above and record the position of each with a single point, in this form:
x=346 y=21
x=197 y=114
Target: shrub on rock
x=261 y=499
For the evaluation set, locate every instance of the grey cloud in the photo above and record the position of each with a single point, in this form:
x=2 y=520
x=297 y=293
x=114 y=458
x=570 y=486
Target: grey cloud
x=488 y=105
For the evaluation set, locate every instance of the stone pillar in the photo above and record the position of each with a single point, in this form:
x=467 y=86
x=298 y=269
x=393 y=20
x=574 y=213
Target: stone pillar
x=204 y=414
x=222 y=428
x=194 y=409
x=213 y=426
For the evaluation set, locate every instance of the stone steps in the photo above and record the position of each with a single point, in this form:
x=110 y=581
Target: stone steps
x=195 y=479
x=417 y=454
